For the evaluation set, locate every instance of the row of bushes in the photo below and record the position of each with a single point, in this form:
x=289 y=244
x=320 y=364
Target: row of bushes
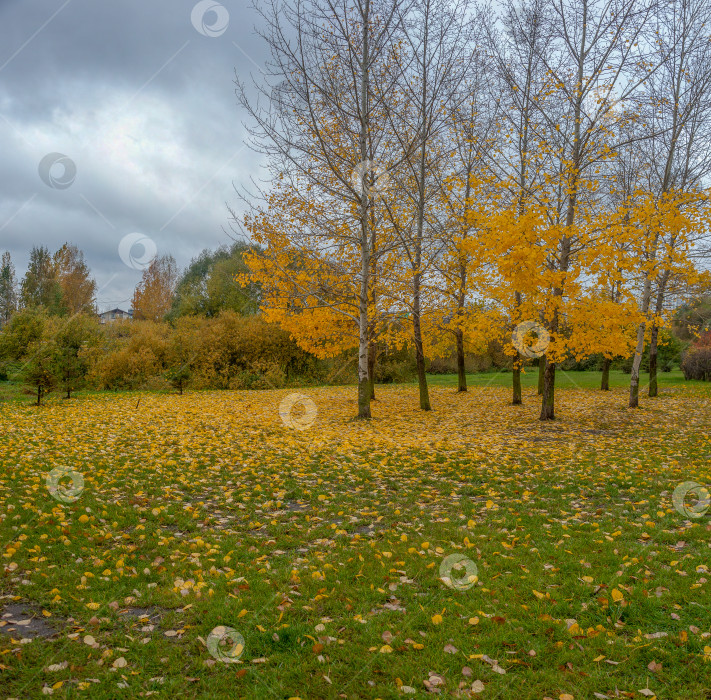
x=229 y=351
x=226 y=352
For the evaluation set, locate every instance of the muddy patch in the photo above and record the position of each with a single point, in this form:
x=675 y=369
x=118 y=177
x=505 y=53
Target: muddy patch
x=21 y=620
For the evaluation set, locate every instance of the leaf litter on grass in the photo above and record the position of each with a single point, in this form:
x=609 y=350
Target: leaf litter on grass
x=312 y=544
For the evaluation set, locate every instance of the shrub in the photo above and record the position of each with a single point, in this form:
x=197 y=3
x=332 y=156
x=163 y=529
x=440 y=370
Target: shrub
x=229 y=351
x=696 y=363
x=127 y=354
x=24 y=329
x=590 y=363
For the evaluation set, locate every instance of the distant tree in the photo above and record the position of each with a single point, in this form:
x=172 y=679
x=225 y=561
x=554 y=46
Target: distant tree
x=70 y=362
x=40 y=286
x=8 y=289
x=40 y=366
x=693 y=317
x=22 y=331
x=153 y=297
x=209 y=285
x=77 y=285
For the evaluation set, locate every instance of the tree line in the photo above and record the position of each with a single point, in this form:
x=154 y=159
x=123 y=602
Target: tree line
x=204 y=330
x=442 y=172
x=51 y=337
x=62 y=284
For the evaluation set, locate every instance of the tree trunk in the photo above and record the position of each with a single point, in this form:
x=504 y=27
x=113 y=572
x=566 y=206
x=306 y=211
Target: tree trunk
x=461 y=299
x=461 y=373
x=363 y=375
x=639 y=349
x=371 y=367
x=517 y=400
x=39 y=396
x=654 y=333
x=605 y=383
x=541 y=371
x=365 y=262
x=69 y=392
x=634 y=376
x=516 y=376
x=424 y=124
x=548 y=402
x=654 y=336
x=419 y=353
x=548 y=396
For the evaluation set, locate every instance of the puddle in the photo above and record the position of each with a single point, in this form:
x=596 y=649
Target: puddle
x=153 y=614
x=20 y=620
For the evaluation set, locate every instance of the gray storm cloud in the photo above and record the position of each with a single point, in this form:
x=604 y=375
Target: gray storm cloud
x=120 y=119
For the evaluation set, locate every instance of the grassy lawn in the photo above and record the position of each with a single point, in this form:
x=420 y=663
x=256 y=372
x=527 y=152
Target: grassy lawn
x=569 y=380
x=329 y=549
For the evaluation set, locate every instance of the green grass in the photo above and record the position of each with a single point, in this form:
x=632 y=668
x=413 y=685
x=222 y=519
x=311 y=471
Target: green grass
x=564 y=380
x=323 y=547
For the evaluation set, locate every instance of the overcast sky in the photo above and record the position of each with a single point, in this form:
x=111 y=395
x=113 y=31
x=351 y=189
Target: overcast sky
x=139 y=98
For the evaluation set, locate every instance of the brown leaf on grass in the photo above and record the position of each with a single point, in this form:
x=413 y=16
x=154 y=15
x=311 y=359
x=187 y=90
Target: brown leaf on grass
x=57 y=667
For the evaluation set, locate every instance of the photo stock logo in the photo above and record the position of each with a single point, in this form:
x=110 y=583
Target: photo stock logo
x=146 y=247
x=225 y=644
x=297 y=411
x=210 y=18
x=57 y=171
x=684 y=493
x=370 y=178
x=61 y=492
x=458 y=563
x=522 y=336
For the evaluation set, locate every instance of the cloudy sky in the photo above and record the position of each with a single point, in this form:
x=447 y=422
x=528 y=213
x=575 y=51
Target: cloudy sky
x=138 y=98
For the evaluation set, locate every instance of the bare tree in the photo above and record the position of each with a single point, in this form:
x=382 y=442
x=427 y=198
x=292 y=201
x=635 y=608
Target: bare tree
x=679 y=94
x=326 y=143
x=435 y=60
x=598 y=61
x=473 y=133
x=519 y=50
